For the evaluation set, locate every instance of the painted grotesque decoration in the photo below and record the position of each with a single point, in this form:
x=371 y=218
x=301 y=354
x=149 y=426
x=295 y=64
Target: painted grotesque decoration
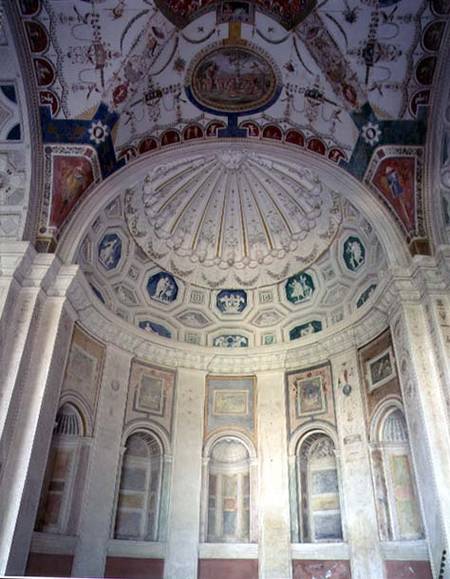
x=181 y=12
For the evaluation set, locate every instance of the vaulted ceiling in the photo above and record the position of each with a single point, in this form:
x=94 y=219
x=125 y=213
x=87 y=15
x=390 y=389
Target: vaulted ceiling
x=231 y=237
x=348 y=80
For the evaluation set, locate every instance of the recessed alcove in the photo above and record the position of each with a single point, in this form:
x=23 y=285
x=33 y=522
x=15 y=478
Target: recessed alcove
x=224 y=289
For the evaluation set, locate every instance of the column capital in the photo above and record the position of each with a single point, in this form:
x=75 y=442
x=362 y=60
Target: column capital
x=426 y=275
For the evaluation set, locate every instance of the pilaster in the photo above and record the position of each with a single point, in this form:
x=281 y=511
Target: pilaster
x=27 y=294
x=359 y=517
x=275 y=540
x=98 y=501
x=184 y=516
x=28 y=422
x=15 y=259
x=426 y=416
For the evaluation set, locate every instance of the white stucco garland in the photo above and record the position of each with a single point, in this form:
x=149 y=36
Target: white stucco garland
x=333 y=178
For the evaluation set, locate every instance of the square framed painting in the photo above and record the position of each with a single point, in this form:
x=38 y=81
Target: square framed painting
x=230 y=402
x=150 y=395
x=310 y=396
x=381 y=369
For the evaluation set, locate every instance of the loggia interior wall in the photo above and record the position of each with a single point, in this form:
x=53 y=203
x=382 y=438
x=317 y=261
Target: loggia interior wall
x=261 y=419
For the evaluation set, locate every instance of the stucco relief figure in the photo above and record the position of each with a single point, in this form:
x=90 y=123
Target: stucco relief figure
x=300 y=290
x=109 y=251
x=162 y=287
x=149 y=326
x=231 y=301
x=354 y=253
x=308 y=329
x=305 y=329
x=230 y=342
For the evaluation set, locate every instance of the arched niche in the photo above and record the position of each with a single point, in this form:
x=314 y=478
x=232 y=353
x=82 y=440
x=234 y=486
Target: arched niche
x=229 y=489
x=398 y=508
x=139 y=488
x=60 y=502
x=317 y=489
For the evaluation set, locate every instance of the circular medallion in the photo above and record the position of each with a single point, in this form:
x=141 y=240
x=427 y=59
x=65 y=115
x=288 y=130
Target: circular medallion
x=233 y=79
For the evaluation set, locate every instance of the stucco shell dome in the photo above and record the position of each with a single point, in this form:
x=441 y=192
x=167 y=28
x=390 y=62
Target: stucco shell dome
x=234 y=248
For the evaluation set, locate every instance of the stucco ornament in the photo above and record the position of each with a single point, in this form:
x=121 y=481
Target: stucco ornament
x=237 y=216
x=12 y=179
